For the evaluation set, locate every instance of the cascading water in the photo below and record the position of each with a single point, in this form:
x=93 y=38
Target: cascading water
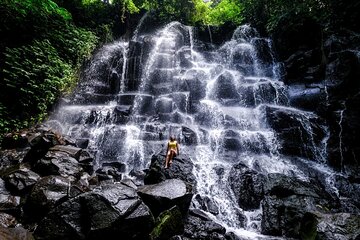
x=134 y=95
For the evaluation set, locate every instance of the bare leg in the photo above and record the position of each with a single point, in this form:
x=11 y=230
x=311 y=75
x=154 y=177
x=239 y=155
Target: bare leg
x=167 y=160
x=171 y=157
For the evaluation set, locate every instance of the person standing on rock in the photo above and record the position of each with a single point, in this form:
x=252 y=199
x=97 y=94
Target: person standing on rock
x=171 y=152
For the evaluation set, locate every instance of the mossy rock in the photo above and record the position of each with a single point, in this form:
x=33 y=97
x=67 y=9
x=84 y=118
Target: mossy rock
x=308 y=227
x=168 y=224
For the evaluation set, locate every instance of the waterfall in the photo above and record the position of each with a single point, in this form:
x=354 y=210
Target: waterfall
x=229 y=97
x=341 y=113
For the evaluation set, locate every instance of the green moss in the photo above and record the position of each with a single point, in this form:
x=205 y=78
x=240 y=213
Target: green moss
x=168 y=224
x=308 y=228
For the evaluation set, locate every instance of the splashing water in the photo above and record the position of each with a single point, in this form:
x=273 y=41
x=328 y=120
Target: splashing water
x=220 y=95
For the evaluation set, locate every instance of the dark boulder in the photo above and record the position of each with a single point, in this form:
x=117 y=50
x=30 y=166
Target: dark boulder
x=342 y=73
x=86 y=161
x=21 y=179
x=74 y=152
x=59 y=163
x=168 y=224
x=231 y=141
x=181 y=168
x=189 y=136
x=338 y=226
x=40 y=141
x=63 y=222
x=349 y=191
x=207 y=204
x=247 y=185
x=116 y=210
x=193 y=82
x=14 y=141
x=82 y=143
x=164 y=195
x=309 y=97
x=225 y=87
x=7 y=220
x=109 y=211
x=200 y=227
x=110 y=171
x=290 y=203
x=17 y=233
x=11 y=157
x=8 y=202
x=46 y=194
x=305 y=67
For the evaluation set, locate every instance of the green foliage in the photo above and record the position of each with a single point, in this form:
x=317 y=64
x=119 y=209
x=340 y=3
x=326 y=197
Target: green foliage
x=272 y=13
x=280 y=10
x=196 y=11
x=107 y=19
x=130 y=6
x=217 y=14
x=36 y=75
x=90 y=14
x=41 y=53
x=226 y=11
x=168 y=10
x=125 y=7
x=71 y=43
x=40 y=7
x=202 y=12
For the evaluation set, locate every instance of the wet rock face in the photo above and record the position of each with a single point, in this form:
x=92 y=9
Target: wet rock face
x=55 y=191
x=300 y=134
x=12 y=157
x=248 y=186
x=349 y=188
x=305 y=34
x=342 y=76
x=8 y=202
x=345 y=129
x=322 y=73
x=181 y=168
x=199 y=226
x=289 y=205
x=21 y=179
x=339 y=226
x=58 y=163
x=108 y=211
x=46 y=193
x=294 y=208
x=225 y=87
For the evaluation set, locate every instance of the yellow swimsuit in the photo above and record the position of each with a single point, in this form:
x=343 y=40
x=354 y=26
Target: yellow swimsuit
x=172 y=145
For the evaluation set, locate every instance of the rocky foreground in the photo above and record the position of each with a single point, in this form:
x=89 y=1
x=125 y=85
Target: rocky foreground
x=50 y=189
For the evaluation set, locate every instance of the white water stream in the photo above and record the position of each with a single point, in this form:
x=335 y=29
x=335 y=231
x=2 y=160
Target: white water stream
x=219 y=94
